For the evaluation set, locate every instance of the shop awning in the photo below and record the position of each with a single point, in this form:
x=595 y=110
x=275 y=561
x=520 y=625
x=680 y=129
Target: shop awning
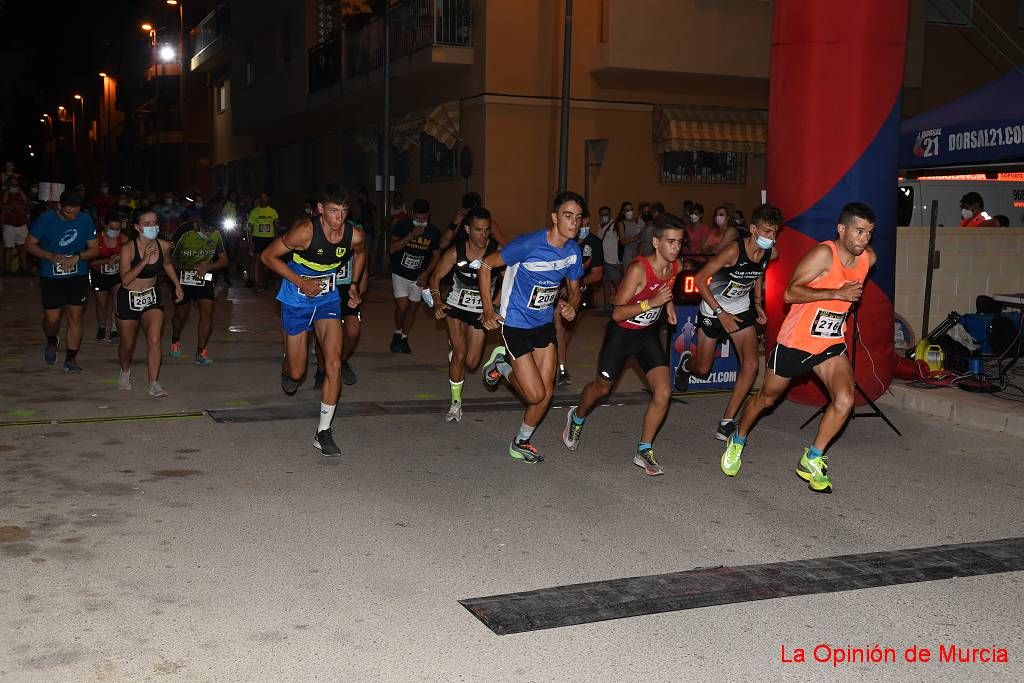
x=706 y=129
x=405 y=134
x=443 y=124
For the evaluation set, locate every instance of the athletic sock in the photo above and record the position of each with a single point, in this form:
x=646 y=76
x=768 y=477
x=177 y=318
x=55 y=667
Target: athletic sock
x=398 y=333
x=175 y=340
x=576 y=419
x=739 y=440
x=813 y=452
x=70 y=354
x=52 y=341
x=199 y=350
x=726 y=420
x=404 y=336
x=456 y=391
x=524 y=433
x=644 y=446
x=326 y=415
x=561 y=367
x=504 y=368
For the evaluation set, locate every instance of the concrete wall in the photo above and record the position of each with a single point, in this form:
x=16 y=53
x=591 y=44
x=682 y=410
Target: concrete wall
x=971 y=262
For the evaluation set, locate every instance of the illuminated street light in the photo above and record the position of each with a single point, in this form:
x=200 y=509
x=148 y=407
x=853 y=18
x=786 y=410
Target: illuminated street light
x=167 y=53
x=103 y=74
x=77 y=96
x=147 y=26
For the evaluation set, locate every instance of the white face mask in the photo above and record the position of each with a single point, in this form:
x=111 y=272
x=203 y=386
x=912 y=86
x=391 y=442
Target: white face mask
x=605 y=220
x=112 y=234
x=584 y=231
x=420 y=224
x=719 y=221
x=628 y=215
x=966 y=213
x=694 y=218
x=151 y=231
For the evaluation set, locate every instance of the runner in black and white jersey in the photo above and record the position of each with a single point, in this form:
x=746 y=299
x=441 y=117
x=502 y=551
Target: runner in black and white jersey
x=464 y=304
x=730 y=286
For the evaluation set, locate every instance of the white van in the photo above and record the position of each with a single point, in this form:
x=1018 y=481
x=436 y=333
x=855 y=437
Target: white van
x=1003 y=196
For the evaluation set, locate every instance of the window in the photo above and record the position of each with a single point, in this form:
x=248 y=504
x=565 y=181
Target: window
x=328 y=19
x=284 y=41
x=220 y=96
x=250 y=66
x=437 y=162
x=704 y=168
x=950 y=12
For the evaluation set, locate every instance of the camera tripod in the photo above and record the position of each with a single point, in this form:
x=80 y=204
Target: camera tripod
x=875 y=410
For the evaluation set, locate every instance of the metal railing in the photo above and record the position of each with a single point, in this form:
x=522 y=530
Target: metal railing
x=216 y=24
x=415 y=24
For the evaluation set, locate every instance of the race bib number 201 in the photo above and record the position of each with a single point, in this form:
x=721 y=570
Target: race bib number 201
x=828 y=324
x=542 y=298
x=326 y=283
x=736 y=290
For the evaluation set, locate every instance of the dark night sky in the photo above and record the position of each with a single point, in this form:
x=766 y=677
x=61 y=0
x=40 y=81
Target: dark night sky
x=53 y=50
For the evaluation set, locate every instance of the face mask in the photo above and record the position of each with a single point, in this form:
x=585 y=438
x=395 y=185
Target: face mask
x=584 y=231
x=694 y=218
x=420 y=224
x=764 y=242
x=112 y=234
x=719 y=221
x=150 y=232
x=966 y=213
x=605 y=220
x=309 y=212
x=628 y=215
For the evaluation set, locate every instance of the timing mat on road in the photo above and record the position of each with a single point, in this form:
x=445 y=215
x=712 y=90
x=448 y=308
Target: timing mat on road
x=584 y=603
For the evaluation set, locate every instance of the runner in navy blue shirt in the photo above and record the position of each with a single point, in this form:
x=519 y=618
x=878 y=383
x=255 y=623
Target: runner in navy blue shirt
x=63 y=240
x=537 y=263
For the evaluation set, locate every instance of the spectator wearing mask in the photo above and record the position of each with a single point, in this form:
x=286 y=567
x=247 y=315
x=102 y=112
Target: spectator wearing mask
x=972 y=212
x=697 y=230
x=632 y=232
x=657 y=213
x=717 y=231
x=14 y=214
x=610 y=246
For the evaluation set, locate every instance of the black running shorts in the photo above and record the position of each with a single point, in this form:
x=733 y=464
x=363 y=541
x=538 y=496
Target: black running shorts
x=131 y=305
x=620 y=344
x=347 y=311
x=712 y=327
x=206 y=292
x=521 y=341
x=468 y=317
x=59 y=292
x=789 y=363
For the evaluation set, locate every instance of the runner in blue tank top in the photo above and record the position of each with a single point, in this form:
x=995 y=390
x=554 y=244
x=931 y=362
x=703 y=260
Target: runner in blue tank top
x=316 y=248
x=537 y=263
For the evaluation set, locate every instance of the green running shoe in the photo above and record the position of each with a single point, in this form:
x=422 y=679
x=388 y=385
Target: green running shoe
x=731 y=461
x=490 y=370
x=525 y=451
x=814 y=472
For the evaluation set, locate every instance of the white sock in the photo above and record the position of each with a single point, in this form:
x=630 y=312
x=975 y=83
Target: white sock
x=398 y=332
x=525 y=432
x=326 y=415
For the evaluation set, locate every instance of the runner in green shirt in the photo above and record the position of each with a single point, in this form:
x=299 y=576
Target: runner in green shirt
x=262 y=226
x=198 y=250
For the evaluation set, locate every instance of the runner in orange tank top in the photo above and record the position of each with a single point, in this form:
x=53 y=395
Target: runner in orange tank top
x=824 y=285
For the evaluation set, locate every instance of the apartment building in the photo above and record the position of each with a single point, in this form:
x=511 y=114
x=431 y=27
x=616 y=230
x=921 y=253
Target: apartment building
x=668 y=97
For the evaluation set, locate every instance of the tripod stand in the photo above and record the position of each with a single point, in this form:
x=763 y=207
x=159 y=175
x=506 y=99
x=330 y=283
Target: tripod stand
x=875 y=410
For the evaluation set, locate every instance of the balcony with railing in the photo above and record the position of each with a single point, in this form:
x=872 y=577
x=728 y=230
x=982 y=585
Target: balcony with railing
x=209 y=39
x=422 y=32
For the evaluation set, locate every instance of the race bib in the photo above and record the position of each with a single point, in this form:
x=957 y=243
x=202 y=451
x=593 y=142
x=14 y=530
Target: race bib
x=411 y=262
x=140 y=301
x=111 y=268
x=736 y=290
x=326 y=283
x=263 y=230
x=470 y=300
x=191 y=278
x=647 y=318
x=342 y=276
x=828 y=324
x=542 y=298
x=59 y=270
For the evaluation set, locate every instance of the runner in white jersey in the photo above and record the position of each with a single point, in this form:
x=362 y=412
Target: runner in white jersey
x=730 y=285
x=464 y=303
x=537 y=262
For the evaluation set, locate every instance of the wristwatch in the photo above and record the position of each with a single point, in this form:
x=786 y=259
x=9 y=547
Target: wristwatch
x=717 y=311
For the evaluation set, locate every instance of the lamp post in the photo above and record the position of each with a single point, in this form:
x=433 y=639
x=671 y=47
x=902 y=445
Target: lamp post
x=181 y=90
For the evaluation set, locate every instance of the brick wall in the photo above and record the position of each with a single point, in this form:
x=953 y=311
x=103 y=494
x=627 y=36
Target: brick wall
x=971 y=262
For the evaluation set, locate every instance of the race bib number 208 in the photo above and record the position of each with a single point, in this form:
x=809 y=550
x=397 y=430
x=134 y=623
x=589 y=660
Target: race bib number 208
x=542 y=298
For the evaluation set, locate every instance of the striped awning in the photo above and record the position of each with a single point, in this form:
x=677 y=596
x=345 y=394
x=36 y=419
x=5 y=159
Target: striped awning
x=443 y=124
x=706 y=129
x=405 y=134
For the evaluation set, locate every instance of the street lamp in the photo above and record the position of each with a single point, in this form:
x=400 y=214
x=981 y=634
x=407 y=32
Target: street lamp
x=167 y=54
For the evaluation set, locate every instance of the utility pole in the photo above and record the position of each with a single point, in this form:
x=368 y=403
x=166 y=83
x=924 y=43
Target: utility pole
x=563 y=154
x=385 y=149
